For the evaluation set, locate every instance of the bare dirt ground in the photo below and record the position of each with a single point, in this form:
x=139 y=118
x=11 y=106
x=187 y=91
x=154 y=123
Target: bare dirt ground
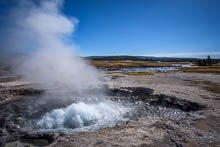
x=199 y=128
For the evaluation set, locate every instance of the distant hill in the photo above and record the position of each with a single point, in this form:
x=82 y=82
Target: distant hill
x=141 y=58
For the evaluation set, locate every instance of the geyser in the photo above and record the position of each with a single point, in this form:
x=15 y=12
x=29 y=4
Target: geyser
x=54 y=66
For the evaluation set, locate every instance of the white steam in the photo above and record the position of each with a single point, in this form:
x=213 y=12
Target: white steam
x=48 y=33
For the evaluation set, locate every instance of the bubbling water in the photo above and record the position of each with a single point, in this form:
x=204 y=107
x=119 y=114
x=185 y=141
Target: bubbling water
x=84 y=116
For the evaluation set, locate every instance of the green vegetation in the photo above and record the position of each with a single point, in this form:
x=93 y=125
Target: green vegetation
x=207 y=62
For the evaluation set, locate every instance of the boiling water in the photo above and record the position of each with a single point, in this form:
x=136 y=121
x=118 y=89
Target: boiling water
x=84 y=116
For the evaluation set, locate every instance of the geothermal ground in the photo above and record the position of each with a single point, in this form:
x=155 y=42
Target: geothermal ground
x=147 y=108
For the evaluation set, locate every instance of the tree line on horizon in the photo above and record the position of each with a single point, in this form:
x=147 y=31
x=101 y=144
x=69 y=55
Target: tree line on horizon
x=208 y=61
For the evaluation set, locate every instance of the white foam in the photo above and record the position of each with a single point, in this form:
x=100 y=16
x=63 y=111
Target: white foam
x=83 y=116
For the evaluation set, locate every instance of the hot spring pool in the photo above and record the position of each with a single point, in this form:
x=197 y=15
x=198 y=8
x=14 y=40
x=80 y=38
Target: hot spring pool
x=68 y=114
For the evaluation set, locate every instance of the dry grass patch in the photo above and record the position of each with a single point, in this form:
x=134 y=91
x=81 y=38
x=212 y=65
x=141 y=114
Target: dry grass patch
x=202 y=69
x=126 y=63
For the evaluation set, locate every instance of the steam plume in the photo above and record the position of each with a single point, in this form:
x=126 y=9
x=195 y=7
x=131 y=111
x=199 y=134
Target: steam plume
x=48 y=32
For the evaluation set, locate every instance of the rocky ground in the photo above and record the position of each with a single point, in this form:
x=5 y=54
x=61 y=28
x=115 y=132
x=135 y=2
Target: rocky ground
x=197 y=95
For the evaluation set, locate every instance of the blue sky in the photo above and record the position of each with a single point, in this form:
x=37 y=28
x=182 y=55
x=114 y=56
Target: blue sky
x=147 y=27
x=182 y=28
